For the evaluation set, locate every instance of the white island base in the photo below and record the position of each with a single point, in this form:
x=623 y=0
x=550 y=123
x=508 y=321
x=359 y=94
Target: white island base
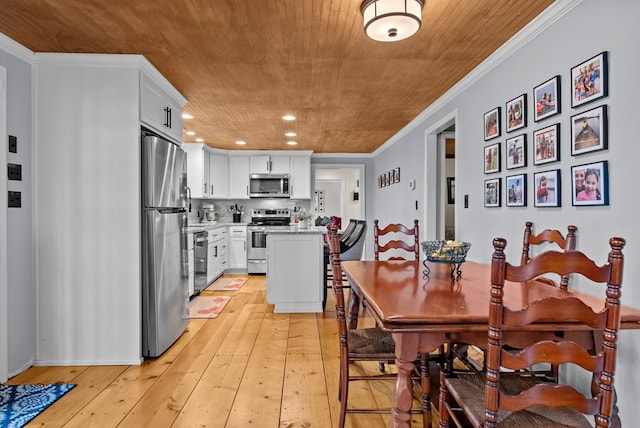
x=294 y=270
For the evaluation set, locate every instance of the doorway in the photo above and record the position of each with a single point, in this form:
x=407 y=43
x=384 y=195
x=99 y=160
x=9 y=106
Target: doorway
x=439 y=214
x=339 y=191
x=4 y=318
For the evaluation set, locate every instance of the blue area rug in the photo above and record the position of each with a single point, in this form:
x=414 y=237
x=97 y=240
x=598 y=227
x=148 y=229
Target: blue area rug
x=21 y=403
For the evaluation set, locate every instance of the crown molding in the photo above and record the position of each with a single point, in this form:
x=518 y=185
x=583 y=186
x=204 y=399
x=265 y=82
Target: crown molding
x=16 y=49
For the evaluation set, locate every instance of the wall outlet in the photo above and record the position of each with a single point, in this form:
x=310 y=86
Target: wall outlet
x=15 y=199
x=14 y=171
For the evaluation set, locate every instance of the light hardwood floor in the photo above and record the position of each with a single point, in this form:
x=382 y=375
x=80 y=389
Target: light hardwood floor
x=247 y=368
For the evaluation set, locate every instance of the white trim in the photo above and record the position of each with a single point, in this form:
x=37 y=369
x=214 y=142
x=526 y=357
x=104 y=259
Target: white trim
x=16 y=49
x=342 y=155
x=540 y=23
x=4 y=282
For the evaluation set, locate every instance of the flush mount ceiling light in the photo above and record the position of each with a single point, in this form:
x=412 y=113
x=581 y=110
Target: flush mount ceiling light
x=391 y=20
x=289 y=117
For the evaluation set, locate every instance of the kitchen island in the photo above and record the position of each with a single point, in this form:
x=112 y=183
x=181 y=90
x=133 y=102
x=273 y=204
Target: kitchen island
x=295 y=263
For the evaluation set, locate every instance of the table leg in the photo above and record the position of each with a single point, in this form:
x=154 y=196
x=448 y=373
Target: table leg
x=354 y=309
x=406 y=355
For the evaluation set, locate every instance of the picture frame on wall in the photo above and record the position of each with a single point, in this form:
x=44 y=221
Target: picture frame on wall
x=546 y=189
x=492 y=158
x=492 y=193
x=492 y=124
x=546 y=144
x=546 y=97
x=392 y=177
x=589 y=131
x=396 y=173
x=516 y=151
x=516 y=190
x=590 y=80
x=451 y=190
x=379 y=181
x=516 y=113
x=590 y=184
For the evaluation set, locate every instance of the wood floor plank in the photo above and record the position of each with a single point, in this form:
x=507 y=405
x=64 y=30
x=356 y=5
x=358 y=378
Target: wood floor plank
x=248 y=367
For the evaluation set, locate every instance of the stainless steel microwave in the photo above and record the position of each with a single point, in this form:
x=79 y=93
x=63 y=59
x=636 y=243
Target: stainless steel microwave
x=269 y=185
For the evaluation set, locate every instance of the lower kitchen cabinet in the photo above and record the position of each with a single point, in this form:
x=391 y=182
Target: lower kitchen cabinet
x=238 y=248
x=294 y=271
x=217 y=257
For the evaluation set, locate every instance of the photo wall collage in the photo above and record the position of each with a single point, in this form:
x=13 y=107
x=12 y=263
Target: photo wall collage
x=588 y=133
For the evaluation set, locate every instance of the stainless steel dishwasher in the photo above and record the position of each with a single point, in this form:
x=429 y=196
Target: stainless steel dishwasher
x=200 y=246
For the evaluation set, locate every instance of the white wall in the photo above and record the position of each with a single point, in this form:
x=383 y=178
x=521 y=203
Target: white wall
x=21 y=288
x=550 y=47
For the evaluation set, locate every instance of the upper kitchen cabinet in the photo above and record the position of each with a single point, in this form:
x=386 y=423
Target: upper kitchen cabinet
x=238 y=176
x=86 y=216
x=207 y=171
x=270 y=164
x=159 y=110
x=300 y=178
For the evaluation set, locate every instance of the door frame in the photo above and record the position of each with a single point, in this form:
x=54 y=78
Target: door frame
x=435 y=184
x=4 y=305
x=361 y=184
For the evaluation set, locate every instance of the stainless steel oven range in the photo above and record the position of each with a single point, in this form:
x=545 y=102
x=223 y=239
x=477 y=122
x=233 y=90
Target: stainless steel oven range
x=263 y=221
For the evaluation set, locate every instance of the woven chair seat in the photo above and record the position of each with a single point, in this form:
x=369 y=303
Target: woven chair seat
x=468 y=391
x=371 y=342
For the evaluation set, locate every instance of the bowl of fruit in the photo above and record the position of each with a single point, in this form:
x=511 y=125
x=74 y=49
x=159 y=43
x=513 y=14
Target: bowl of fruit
x=451 y=252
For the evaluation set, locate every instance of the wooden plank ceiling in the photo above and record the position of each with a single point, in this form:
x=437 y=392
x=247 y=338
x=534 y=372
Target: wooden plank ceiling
x=243 y=64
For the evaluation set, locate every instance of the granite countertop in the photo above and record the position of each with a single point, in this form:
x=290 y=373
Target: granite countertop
x=197 y=227
x=296 y=229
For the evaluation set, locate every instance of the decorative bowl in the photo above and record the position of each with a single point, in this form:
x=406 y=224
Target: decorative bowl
x=445 y=251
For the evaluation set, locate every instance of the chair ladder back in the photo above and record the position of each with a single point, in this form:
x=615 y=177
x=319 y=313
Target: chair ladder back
x=561 y=308
x=337 y=284
x=567 y=243
x=395 y=241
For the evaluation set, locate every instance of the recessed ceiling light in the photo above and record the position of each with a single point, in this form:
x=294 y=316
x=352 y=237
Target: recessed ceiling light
x=186 y=116
x=241 y=143
x=289 y=117
x=291 y=143
x=289 y=134
x=199 y=140
x=190 y=133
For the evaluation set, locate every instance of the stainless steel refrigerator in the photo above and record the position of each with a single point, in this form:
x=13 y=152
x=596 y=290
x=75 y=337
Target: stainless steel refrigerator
x=165 y=270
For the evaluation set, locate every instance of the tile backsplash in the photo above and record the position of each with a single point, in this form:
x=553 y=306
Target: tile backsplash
x=225 y=215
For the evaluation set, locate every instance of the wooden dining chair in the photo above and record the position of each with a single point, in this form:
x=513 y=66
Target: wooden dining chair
x=548 y=236
x=396 y=237
x=366 y=344
x=511 y=399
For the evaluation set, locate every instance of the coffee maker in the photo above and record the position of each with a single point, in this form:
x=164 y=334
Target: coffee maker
x=209 y=213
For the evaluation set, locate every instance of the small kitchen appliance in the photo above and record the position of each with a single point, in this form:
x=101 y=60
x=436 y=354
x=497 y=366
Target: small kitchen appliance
x=209 y=213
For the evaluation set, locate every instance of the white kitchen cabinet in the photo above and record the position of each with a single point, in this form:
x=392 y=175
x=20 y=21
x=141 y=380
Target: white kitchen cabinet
x=218 y=175
x=207 y=172
x=300 y=179
x=270 y=164
x=239 y=177
x=238 y=247
x=159 y=110
x=89 y=289
x=294 y=271
x=217 y=259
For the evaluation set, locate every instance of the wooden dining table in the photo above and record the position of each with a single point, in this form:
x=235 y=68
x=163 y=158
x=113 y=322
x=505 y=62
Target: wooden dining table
x=423 y=312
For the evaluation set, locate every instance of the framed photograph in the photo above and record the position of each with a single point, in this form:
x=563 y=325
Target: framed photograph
x=590 y=184
x=396 y=173
x=379 y=181
x=492 y=124
x=492 y=193
x=492 y=158
x=590 y=80
x=387 y=182
x=451 y=190
x=516 y=151
x=392 y=177
x=517 y=113
x=517 y=190
x=589 y=131
x=546 y=97
x=547 y=144
x=547 y=188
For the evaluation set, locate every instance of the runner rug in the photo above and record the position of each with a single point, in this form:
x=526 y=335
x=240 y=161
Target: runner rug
x=207 y=306
x=227 y=284
x=21 y=403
